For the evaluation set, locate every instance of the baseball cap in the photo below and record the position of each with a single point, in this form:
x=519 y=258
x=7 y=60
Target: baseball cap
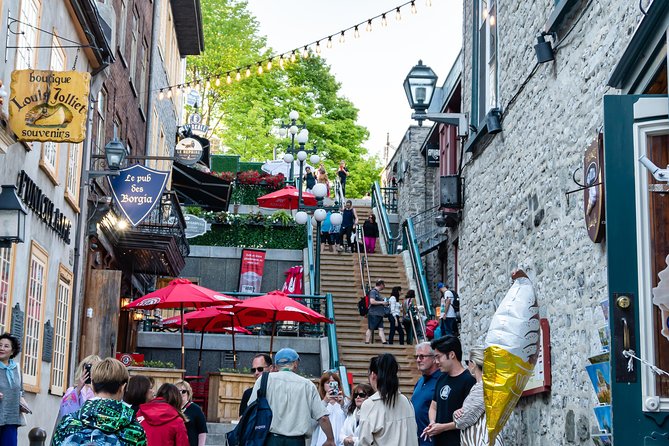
x=440 y=285
x=286 y=356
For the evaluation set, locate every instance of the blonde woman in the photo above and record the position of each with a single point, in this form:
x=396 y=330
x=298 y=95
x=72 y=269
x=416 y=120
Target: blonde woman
x=196 y=424
x=470 y=419
x=77 y=395
x=330 y=390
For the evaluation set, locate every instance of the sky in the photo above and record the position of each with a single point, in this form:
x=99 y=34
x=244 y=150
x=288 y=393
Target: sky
x=371 y=68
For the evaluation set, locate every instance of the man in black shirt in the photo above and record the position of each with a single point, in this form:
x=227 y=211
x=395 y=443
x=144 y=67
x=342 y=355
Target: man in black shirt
x=449 y=393
x=262 y=362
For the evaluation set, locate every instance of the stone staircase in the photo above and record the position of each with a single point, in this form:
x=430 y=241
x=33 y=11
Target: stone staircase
x=340 y=275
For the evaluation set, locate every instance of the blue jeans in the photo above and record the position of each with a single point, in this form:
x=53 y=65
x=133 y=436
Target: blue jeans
x=9 y=435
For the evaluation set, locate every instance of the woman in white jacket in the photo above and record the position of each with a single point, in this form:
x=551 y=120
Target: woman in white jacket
x=349 y=431
x=334 y=401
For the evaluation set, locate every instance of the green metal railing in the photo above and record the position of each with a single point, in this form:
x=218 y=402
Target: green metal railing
x=310 y=255
x=331 y=331
x=377 y=201
x=411 y=244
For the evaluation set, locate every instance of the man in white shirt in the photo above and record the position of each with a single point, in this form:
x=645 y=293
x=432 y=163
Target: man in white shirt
x=448 y=317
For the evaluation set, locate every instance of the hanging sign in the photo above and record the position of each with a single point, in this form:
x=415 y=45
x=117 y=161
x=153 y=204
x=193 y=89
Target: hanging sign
x=593 y=194
x=188 y=151
x=195 y=226
x=137 y=190
x=251 y=270
x=432 y=155
x=196 y=125
x=49 y=105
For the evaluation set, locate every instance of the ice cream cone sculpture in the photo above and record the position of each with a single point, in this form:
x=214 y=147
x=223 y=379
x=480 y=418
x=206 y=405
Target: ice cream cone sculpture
x=511 y=350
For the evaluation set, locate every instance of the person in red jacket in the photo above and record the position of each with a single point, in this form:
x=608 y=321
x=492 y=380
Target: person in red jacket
x=162 y=418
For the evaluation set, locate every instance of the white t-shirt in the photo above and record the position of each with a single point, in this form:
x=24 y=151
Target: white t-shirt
x=451 y=311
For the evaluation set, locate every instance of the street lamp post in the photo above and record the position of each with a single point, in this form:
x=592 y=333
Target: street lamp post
x=293 y=129
x=302 y=139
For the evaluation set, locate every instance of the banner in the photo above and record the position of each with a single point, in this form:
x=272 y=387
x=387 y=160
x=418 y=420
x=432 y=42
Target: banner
x=137 y=190
x=49 y=105
x=293 y=283
x=251 y=270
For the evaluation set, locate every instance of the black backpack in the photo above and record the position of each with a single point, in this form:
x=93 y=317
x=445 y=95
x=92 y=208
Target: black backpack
x=456 y=301
x=253 y=428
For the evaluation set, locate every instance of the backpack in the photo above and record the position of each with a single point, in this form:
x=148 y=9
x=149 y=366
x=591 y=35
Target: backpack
x=456 y=301
x=430 y=327
x=363 y=305
x=90 y=436
x=253 y=427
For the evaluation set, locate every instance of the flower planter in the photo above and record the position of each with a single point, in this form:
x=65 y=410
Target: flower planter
x=225 y=395
x=159 y=376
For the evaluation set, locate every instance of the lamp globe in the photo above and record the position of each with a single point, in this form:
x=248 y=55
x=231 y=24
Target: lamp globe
x=301 y=217
x=320 y=214
x=336 y=218
x=320 y=190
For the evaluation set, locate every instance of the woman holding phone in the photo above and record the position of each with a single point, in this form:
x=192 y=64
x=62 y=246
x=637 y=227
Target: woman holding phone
x=329 y=388
x=77 y=395
x=12 y=404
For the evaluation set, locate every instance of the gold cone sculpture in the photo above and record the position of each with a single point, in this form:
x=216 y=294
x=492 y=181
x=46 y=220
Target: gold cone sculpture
x=511 y=350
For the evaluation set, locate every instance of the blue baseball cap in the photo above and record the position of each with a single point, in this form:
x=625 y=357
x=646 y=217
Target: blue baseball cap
x=440 y=285
x=286 y=356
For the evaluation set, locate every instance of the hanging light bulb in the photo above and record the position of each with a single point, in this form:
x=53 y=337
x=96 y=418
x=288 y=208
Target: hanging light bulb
x=484 y=13
x=208 y=84
x=281 y=62
x=356 y=32
x=413 y=7
x=305 y=52
x=238 y=76
x=292 y=56
x=329 y=45
x=492 y=20
x=398 y=14
x=161 y=95
x=269 y=64
x=228 y=78
x=197 y=84
x=428 y=2
x=368 y=28
x=342 y=39
x=384 y=20
x=218 y=80
x=259 y=68
x=169 y=93
x=318 y=47
x=248 y=71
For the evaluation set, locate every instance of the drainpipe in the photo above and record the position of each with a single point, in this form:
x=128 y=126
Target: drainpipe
x=154 y=44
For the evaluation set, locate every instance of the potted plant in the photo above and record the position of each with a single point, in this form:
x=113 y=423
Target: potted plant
x=161 y=372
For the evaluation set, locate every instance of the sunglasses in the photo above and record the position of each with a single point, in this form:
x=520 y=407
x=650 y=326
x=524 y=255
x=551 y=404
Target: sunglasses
x=258 y=369
x=421 y=357
x=183 y=391
x=466 y=362
x=360 y=395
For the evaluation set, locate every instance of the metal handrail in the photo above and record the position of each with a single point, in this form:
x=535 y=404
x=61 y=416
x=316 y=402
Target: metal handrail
x=363 y=264
x=339 y=197
x=417 y=266
x=331 y=331
x=310 y=255
x=377 y=201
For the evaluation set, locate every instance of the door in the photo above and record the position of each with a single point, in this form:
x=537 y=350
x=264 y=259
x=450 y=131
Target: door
x=637 y=238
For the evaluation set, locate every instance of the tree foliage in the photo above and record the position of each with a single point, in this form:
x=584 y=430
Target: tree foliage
x=246 y=115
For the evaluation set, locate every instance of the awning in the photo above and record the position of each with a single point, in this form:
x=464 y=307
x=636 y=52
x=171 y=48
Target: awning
x=194 y=187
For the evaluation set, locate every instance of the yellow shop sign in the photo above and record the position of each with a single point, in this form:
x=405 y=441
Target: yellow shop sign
x=49 y=105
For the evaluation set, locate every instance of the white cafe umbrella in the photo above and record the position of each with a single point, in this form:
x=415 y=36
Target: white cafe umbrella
x=280 y=166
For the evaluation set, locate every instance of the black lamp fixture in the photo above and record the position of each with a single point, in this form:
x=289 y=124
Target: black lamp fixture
x=543 y=48
x=12 y=217
x=115 y=152
x=419 y=86
x=494 y=121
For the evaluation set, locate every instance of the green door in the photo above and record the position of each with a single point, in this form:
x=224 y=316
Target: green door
x=637 y=246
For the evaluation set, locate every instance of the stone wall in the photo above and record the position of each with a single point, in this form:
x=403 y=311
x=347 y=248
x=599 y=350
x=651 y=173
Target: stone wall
x=516 y=212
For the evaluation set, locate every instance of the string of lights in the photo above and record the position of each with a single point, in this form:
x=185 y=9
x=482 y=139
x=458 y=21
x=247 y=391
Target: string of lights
x=291 y=56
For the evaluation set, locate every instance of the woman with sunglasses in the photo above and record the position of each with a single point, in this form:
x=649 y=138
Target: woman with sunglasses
x=196 y=423
x=470 y=419
x=387 y=417
x=351 y=427
x=329 y=387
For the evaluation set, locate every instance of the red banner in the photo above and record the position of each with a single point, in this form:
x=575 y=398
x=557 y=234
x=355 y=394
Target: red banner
x=293 y=283
x=251 y=270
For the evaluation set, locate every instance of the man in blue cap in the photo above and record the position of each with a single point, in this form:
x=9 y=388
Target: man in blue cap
x=294 y=401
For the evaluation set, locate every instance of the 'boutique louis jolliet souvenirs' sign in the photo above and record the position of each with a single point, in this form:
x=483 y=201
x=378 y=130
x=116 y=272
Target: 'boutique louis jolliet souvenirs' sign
x=137 y=190
x=49 y=105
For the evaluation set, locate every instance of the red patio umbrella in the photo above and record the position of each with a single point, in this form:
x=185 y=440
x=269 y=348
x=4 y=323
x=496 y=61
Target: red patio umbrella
x=276 y=306
x=181 y=293
x=286 y=198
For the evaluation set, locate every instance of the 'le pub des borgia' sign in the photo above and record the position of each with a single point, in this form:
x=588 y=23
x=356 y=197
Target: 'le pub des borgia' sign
x=137 y=190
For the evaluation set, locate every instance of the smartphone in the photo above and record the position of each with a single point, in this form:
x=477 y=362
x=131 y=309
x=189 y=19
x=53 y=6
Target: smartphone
x=24 y=408
x=87 y=368
x=334 y=388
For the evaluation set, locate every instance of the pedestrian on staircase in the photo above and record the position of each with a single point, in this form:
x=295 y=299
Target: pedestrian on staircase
x=348 y=222
x=371 y=231
x=395 y=317
x=376 y=312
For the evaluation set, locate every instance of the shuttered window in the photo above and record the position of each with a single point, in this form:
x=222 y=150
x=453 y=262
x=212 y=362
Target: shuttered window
x=61 y=332
x=35 y=296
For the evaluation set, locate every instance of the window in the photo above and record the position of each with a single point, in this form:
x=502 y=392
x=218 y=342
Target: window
x=27 y=37
x=134 y=40
x=143 y=94
x=73 y=174
x=61 y=332
x=5 y=286
x=487 y=59
x=123 y=18
x=49 y=160
x=101 y=110
x=32 y=341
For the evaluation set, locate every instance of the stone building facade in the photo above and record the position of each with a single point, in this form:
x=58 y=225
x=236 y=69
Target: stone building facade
x=516 y=212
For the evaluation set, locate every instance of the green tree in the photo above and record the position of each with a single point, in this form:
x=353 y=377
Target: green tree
x=246 y=115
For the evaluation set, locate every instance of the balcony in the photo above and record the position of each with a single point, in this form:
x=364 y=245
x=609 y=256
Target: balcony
x=429 y=235
x=156 y=246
